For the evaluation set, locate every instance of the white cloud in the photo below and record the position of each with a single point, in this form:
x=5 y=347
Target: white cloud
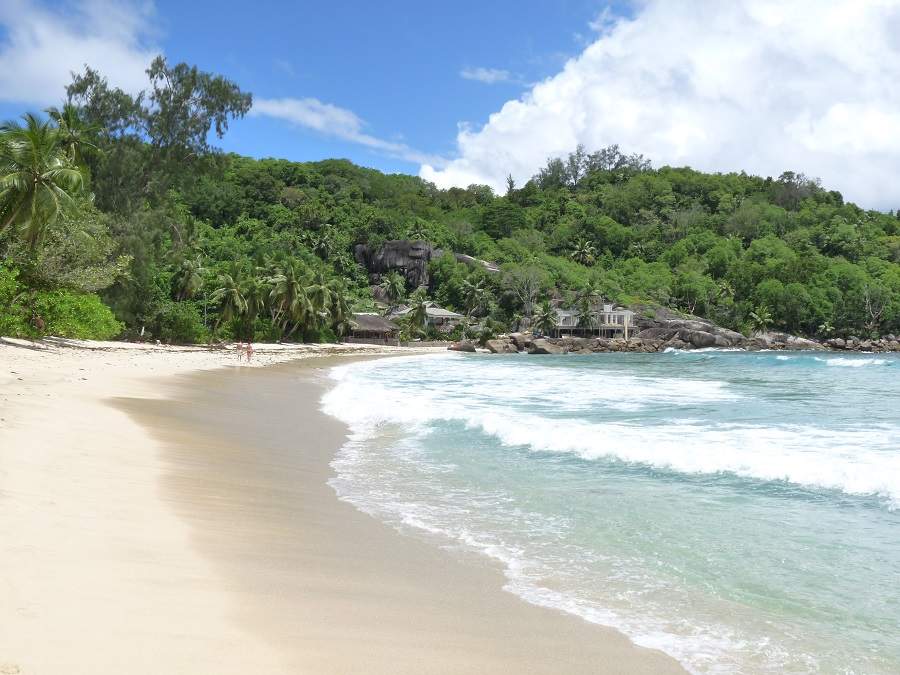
x=40 y=48
x=760 y=85
x=486 y=75
x=331 y=120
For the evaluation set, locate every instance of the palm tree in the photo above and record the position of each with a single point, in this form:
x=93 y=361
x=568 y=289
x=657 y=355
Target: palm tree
x=761 y=319
x=584 y=252
x=188 y=279
x=319 y=294
x=75 y=133
x=473 y=295
x=394 y=287
x=418 y=312
x=36 y=178
x=339 y=310
x=545 y=318
x=256 y=292
x=586 y=316
x=418 y=231
x=231 y=301
x=289 y=302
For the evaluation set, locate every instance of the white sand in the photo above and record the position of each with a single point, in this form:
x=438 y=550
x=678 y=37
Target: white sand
x=204 y=540
x=91 y=558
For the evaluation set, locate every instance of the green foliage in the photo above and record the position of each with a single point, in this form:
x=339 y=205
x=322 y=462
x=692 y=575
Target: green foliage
x=182 y=237
x=75 y=315
x=180 y=323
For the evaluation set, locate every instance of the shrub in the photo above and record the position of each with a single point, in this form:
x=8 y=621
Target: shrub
x=180 y=322
x=75 y=315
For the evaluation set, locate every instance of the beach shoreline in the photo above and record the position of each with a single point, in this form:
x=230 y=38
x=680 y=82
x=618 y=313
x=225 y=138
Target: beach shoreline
x=214 y=544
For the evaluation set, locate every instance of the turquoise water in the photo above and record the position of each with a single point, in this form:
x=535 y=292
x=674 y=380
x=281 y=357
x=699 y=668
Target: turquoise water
x=735 y=510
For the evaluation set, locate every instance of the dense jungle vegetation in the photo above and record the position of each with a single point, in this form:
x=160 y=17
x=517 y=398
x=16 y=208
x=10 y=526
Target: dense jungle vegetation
x=119 y=219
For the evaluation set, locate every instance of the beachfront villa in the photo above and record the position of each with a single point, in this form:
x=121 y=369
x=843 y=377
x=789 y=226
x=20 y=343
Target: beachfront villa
x=607 y=322
x=436 y=316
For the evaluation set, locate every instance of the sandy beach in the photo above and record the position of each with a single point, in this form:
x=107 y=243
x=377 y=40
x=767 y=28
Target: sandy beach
x=164 y=510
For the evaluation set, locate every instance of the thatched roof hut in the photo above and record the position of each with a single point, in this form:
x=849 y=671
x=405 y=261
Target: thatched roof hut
x=372 y=326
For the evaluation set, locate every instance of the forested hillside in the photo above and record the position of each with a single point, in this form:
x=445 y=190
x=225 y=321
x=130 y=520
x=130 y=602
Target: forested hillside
x=119 y=201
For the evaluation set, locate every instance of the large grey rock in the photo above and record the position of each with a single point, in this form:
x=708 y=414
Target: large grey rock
x=501 y=346
x=522 y=341
x=544 y=346
x=408 y=257
x=462 y=346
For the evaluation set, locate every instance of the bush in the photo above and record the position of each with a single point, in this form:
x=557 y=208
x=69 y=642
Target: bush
x=75 y=315
x=181 y=323
x=12 y=314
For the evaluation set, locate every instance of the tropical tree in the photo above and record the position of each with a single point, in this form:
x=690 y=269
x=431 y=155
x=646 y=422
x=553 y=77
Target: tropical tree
x=761 y=319
x=339 y=310
x=418 y=312
x=36 y=178
x=586 y=317
x=320 y=297
x=474 y=294
x=230 y=299
x=75 y=134
x=256 y=293
x=188 y=279
x=290 y=305
x=584 y=252
x=545 y=318
x=394 y=286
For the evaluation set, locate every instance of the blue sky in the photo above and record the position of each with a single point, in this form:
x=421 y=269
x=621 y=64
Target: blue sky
x=468 y=92
x=398 y=66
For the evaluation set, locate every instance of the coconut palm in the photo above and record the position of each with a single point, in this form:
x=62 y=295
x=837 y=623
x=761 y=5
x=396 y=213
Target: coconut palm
x=36 y=178
x=394 y=287
x=584 y=252
x=320 y=296
x=75 y=134
x=230 y=299
x=256 y=292
x=586 y=316
x=289 y=302
x=761 y=319
x=339 y=311
x=418 y=312
x=188 y=279
x=474 y=293
x=545 y=318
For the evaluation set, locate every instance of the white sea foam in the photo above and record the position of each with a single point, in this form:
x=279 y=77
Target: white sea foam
x=550 y=409
x=857 y=461
x=851 y=362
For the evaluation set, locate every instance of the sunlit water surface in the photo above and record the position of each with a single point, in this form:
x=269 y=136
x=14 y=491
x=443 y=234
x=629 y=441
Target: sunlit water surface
x=735 y=510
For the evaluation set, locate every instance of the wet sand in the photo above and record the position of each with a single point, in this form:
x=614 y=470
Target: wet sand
x=332 y=589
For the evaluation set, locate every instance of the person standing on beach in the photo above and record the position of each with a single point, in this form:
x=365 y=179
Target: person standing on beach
x=249 y=351
x=240 y=349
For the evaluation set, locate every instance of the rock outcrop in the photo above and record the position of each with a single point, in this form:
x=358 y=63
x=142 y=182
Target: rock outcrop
x=409 y=258
x=501 y=346
x=462 y=346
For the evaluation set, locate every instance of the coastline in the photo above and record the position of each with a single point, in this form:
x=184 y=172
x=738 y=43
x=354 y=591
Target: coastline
x=214 y=543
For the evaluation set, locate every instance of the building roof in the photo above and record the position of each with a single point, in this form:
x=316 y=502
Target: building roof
x=432 y=309
x=373 y=323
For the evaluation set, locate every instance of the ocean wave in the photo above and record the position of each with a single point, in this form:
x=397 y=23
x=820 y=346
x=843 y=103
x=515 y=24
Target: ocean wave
x=856 y=461
x=851 y=362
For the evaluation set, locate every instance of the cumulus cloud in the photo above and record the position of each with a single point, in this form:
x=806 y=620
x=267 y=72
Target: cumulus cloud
x=40 y=48
x=332 y=120
x=759 y=85
x=486 y=75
